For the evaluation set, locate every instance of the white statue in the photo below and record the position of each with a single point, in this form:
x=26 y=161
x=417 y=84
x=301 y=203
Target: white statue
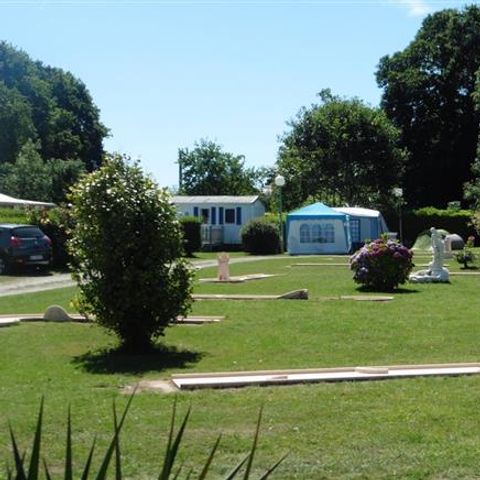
x=436 y=272
x=223 y=268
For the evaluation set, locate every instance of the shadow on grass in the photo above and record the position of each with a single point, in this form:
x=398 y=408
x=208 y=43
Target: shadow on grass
x=114 y=360
x=401 y=291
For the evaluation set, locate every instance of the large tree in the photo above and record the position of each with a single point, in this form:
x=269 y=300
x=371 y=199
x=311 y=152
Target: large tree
x=208 y=170
x=427 y=92
x=340 y=151
x=49 y=106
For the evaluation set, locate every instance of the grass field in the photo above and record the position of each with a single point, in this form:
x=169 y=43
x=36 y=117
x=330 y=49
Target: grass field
x=416 y=428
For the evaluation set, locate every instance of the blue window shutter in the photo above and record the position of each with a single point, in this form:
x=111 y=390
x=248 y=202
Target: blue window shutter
x=195 y=211
x=214 y=215
x=239 y=215
x=220 y=215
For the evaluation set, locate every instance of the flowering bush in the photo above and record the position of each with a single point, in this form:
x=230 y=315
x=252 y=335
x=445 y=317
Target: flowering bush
x=382 y=264
x=467 y=256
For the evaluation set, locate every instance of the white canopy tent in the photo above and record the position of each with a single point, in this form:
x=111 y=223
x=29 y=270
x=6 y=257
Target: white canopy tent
x=7 y=201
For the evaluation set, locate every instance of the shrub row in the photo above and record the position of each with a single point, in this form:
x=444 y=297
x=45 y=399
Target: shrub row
x=418 y=221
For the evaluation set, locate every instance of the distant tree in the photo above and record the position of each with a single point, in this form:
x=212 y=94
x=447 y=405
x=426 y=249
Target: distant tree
x=33 y=178
x=208 y=170
x=427 y=92
x=47 y=105
x=127 y=247
x=340 y=152
x=16 y=123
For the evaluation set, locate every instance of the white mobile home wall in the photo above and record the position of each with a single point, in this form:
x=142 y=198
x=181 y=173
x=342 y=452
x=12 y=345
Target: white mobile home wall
x=229 y=213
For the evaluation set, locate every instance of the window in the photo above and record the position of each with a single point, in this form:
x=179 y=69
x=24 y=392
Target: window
x=317 y=234
x=230 y=215
x=304 y=233
x=355 y=230
x=328 y=233
x=205 y=215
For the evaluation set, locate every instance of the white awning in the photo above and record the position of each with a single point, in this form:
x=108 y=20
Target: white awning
x=7 y=201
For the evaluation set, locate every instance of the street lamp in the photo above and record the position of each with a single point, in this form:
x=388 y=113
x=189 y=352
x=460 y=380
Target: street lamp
x=280 y=182
x=398 y=193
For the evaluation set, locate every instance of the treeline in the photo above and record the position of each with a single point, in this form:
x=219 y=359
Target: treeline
x=47 y=120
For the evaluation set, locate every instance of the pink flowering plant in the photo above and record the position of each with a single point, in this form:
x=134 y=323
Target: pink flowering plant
x=382 y=265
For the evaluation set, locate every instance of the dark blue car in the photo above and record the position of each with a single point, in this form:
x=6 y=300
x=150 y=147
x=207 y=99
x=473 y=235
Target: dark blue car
x=23 y=245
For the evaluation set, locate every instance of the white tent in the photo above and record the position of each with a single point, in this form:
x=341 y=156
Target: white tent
x=7 y=201
x=317 y=229
x=365 y=224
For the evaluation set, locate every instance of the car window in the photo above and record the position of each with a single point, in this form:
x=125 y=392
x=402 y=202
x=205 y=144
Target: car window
x=27 y=232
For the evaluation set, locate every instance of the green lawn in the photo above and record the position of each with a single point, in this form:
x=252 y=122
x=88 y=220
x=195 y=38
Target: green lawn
x=416 y=428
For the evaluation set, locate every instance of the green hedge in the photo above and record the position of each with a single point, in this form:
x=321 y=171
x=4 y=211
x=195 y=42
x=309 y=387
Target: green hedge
x=13 y=215
x=192 y=237
x=260 y=237
x=417 y=221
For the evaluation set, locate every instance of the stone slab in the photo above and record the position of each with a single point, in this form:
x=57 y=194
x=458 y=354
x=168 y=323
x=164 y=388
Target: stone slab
x=320 y=265
x=9 y=321
x=291 y=377
x=238 y=279
x=466 y=274
x=293 y=295
x=367 y=298
x=199 y=320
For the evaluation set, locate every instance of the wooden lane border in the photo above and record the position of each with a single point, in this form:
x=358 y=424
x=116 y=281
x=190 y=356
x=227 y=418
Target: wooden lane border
x=301 y=376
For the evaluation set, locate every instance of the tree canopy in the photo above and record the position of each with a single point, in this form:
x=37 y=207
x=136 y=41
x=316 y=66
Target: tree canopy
x=427 y=92
x=49 y=106
x=208 y=170
x=340 y=151
x=33 y=178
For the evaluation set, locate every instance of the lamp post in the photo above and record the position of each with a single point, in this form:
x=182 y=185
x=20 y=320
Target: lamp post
x=280 y=182
x=398 y=193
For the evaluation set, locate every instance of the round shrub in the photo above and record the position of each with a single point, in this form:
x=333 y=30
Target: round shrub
x=192 y=237
x=382 y=265
x=260 y=238
x=126 y=252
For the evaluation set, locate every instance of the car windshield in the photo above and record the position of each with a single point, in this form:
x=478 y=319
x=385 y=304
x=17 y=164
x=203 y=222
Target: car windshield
x=27 y=232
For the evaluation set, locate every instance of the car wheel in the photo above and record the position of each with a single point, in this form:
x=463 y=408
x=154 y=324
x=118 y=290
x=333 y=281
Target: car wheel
x=3 y=266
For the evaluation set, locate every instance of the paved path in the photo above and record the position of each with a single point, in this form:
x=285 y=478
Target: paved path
x=20 y=285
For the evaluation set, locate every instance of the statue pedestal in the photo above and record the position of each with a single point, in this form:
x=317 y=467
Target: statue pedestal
x=430 y=276
x=436 y=273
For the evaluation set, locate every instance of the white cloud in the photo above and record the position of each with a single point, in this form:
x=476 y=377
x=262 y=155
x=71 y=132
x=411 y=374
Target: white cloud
x=416 y=8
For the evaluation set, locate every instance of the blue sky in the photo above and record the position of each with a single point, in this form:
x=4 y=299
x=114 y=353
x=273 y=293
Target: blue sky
x=166 y=73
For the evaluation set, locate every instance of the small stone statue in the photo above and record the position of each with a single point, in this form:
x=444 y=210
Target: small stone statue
x=223 y=268
x=436 y=271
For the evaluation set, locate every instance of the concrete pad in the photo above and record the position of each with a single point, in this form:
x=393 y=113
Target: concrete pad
x=293 y=295
x=9 y=321
x=367 y=298
x=291 y=377
x=467 y=274
x=199 y=320
x=320 y=265
x=161 y=386
x=238 y=279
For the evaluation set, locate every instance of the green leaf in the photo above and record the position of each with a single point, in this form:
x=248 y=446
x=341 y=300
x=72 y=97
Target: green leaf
x=272 y=468
x=254 y=446
x=88 y=463
x=47 y=472
x=234 y=472
x=102 y=473
x=35 y=458
x=173 y=444
x=18 y=459
x=204 y=472
x=118 y=463
x=68 y=452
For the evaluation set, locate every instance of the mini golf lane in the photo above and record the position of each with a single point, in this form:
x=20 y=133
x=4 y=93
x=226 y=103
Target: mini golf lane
x=290 y=377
